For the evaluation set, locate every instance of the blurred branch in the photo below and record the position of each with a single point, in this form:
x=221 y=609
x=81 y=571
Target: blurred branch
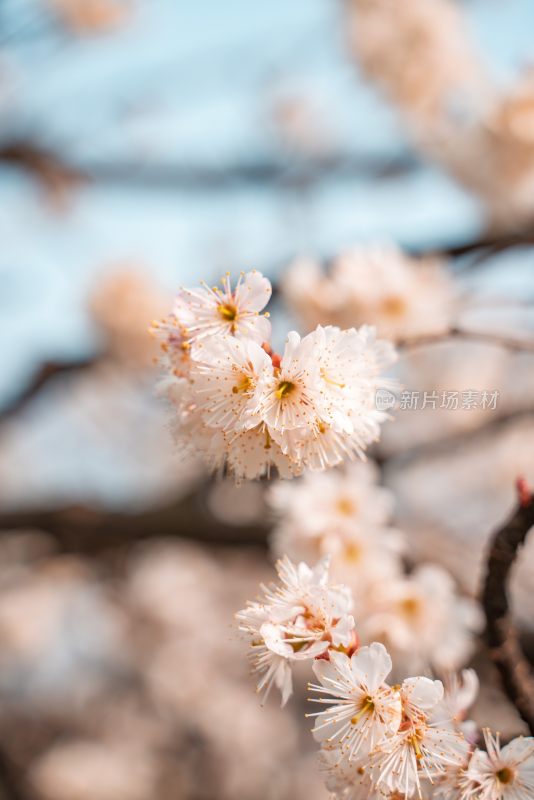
x=48 y=167
x=451 y=440
x=501 y=634
x=55 y=176
x=484 y=337
x=87 y=531
x=40 y=379
x=11 y=786
x=287 y=173
x=489 y=245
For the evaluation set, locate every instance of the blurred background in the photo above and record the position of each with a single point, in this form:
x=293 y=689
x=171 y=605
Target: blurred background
x=144 y=145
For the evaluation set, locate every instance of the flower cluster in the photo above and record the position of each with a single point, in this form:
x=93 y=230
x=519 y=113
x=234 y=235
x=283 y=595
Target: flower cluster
x=421 y=56
x=344 y=514
x=245 y=408
x=301 y=619
x=402 y=296
x=377 y=741
x=389 y=737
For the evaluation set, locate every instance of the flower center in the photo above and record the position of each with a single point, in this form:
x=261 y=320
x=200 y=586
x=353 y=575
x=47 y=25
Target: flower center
x=227 y=311
x=353 y=552
x=367 y=708
x=345 y=506
x=410 y=606
x=284 y=389
x=505 y=775
x=393 y=306
x=243 y=386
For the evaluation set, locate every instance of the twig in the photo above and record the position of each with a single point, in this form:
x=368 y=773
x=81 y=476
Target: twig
x=484 y=337
x=56 y=176
x=451 y=440
x=83 y=530
x=487 y=245
x=10 y=787
x=40 y=379
x=51 y=169
x=501 y=634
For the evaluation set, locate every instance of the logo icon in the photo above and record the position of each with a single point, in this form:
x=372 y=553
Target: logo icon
x=384 y=400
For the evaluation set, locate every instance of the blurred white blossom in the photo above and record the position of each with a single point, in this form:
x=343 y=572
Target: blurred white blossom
x=373 y=284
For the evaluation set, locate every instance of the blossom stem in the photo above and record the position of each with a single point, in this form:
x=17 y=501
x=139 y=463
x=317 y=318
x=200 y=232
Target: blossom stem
x=501 y=635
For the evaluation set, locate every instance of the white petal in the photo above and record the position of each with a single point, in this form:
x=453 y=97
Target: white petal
x=253 y=292
x=371 y=665
x=422 y=693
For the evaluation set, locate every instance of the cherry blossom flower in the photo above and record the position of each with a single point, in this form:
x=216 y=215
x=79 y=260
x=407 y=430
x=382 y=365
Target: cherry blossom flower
x=207 y=311
x=341 y=408
x=460 y=693
x=342 y=513
x=348 y=779
x=226 y=373
x=420 y=55
x=420 y=750
x=253 y=453
x=505 y=773
x=292 y=397
x=378 y=284
x=301 y=618
x=422 y=620
x=322 y=500
x=365 y=709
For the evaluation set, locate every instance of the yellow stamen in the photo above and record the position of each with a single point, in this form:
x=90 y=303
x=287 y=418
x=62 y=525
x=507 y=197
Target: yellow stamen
x=353 y=552
x=284 y=389
x=243 y=386
x=367 y=708
x=345 y=506
x=410 y=606
x=227 y=311
x=394 y=306
x=326 y=379
x=505 y=775
x=414 y=741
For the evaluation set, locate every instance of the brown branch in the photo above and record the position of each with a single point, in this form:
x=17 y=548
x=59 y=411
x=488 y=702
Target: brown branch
x=501 y=634
x=40 y=379
x=87 y=531
x=484 y=337
x=55 y=176
x=486 y=245
x=54 y=172
x=451 y=440
x=12 y=785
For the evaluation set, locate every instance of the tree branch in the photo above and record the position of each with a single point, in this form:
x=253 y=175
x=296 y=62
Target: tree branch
x=501 y=634
x=484 y=337
x=87 y=531
x=40 y=379
x=11 y=787
x=52 y=171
